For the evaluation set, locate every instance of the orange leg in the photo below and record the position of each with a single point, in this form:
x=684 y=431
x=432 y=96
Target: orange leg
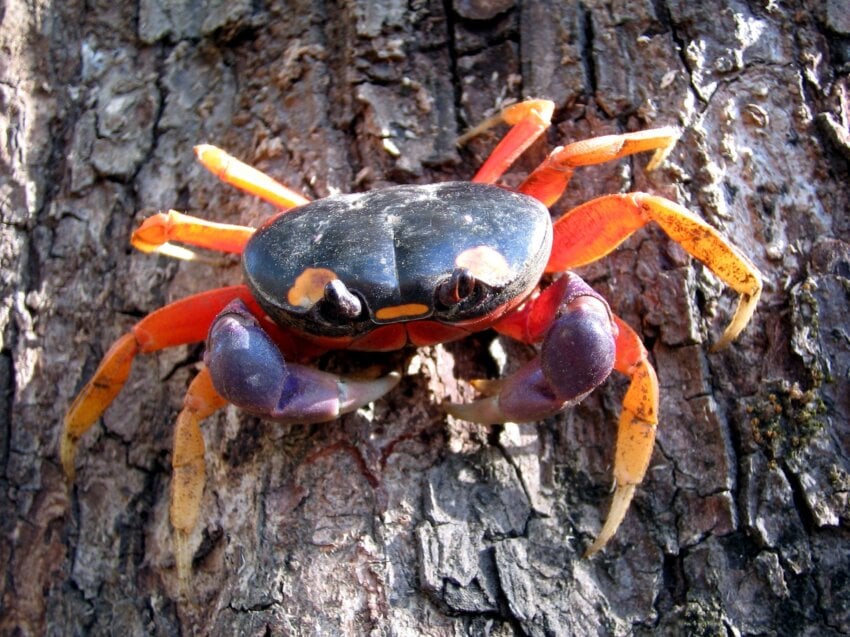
x=157 y=231
x=528 y=120
x=248 y=179
x=188 y=466
x=636 y=430
x=595 y=228
x=182 y=322
x=549 y=180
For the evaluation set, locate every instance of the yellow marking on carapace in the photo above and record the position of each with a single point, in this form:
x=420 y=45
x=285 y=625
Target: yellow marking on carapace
x=309 y=287
x=486 y=264
x=401 y=311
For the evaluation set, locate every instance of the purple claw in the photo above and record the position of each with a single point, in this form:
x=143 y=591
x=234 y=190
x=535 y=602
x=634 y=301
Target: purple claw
x=576 y=356
x=248 y=370
x=245 y=365
x=578 y=352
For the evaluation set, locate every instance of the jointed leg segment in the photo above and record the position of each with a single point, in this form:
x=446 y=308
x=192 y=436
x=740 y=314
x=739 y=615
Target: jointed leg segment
x=549 y=180
x=182 y=322
x=247 y=178
x=528 y=119
x=636 y=429
x=188 y=467
x=157 y=231
x=595 y=228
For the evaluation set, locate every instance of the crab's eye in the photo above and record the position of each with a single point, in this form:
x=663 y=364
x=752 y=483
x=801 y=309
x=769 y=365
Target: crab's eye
x=339 y=302
x=456 y=288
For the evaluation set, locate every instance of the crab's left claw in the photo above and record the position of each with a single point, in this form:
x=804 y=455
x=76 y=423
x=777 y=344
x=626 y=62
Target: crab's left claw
x=576 y=355
x=248 y=369
x=581 y=344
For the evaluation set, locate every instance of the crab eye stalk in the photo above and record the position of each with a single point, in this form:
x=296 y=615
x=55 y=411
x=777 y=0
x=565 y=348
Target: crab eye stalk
x=339 y=302
x=459 y=286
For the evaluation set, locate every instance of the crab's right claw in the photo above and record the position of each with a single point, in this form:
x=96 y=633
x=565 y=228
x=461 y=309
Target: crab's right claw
x=248 y=369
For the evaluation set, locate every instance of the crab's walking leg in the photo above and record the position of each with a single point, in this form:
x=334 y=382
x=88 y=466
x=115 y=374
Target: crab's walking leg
x=577 y=354
x=185 y=321
x=157 y=231
x=188 y=466
x=528 y=120
x=248 y=179
x=595 y=228
x=636 y=430
x=549 y=180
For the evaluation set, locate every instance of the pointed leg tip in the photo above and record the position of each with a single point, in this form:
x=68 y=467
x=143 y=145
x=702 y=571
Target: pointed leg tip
x=212 y=157
x=182 y=558
x=67 y=455
x=593 y=549
x=620 y=502
x=202 y=149
x=743 y=314
x=722 y=343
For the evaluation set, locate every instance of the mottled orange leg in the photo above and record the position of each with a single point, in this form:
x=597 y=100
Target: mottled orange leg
x=157 y=231
x=636 y=430
x=182 y=322
x=188 y=466
x=595 y=228
x=248 y=179
x=528 y=120
x=97 y=394
x=549 y=180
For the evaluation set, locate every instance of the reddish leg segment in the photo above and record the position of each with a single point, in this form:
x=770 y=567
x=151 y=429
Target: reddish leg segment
x=156 y=233
x=182 y=322
x=594 y=229
x=549 y=180
x=236 y=173
x=528 y=120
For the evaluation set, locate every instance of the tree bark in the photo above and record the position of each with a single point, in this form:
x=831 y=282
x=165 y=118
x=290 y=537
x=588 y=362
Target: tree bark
x=398 y=520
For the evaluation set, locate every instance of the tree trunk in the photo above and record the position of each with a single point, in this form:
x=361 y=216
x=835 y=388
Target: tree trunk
x=398 y=520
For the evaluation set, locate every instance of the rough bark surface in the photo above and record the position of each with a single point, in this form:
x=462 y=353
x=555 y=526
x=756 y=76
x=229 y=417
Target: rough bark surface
x=397 y=520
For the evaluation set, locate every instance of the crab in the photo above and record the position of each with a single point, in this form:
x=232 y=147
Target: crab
x=413 y=265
